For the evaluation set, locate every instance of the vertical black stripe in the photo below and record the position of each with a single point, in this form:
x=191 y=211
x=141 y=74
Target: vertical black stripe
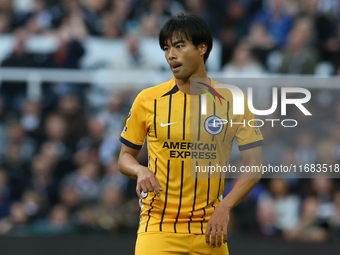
x=203 y=219
x=208 y=184
x=226 y=128
x=170 y=98
x=166 y=196
x=184 y=114
x=154 y=117
x=153 y=199
x=214 y=107
x=180 y=197
x=207 y=197
x=199 y=117
x=219 y=185
x=193 y=205
x=156 y=166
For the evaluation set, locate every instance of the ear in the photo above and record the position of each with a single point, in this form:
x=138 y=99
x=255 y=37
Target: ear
x=202 y=48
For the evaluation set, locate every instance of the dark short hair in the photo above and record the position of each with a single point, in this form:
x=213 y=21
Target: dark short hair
x=193 y=27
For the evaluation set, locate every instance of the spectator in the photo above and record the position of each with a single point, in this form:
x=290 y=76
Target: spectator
x=198 y=7
x=56 y=141
x=70 y=47
x=16 y=169
x=6 y=6
x=70 y=198
x=95 y=135
x=297 y=57
x=31 y=118
x=122 y=10
x=260 y=43
x=234 y=27
x=17 y=135
x=71 y=35
x=335 y=136
x=5 y=195
x=59 y=219
x=113 y=117
x=335 y=219
x=70 y=109
x=111 y=28
x=30 y=16
x=308 y=229
x=13 y=93
x=332 y=49
x=3 y=129
x=42 y=180
x=110 y=211
x=132 y=57
x=326 y=151
x=113 y=177
x=15 y=223
x=148 y=27
x=243 y=64
x=305 y=149
x=33 y=205
x=278 y=210
x=58 y=222
x=85 y=180
x=97 y=144
x=152 y=15
x=317 y=212
x=5 y=22
x=277 y=21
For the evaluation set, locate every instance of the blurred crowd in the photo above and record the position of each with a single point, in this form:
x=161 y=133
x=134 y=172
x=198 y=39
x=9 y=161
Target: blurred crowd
x=297 y=209
x=58 y=169
x=257 y=36
x=58 y=157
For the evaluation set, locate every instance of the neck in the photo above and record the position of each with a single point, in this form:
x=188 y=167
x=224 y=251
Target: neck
x=184 y=84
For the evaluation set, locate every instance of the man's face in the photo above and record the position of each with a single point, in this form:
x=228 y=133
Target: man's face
x=183 y=57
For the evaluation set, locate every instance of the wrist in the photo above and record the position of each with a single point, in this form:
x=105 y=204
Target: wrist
x=139 y=170
x=226 y=206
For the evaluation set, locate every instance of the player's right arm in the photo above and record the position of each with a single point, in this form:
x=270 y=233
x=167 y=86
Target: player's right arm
x=128 y=165
x=132 y=139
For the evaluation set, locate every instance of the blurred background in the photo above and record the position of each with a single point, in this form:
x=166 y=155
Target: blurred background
x=70 y=70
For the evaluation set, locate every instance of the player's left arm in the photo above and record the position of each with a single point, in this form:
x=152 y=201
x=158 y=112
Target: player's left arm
x=219 y=220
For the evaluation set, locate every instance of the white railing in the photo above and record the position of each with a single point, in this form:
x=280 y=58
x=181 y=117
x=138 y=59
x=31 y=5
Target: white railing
x=140 y=79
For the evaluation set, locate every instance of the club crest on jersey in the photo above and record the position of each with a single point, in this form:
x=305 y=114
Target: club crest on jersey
x=213 y=125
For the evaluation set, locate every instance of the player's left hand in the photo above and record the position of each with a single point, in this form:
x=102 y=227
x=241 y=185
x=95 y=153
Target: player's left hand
x=217 y=227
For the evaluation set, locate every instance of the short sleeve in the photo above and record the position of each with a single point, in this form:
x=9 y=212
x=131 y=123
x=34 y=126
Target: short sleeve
x=247 y=135
x=135 y=129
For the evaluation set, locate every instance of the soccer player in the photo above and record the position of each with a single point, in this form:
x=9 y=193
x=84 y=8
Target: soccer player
x=182 y=212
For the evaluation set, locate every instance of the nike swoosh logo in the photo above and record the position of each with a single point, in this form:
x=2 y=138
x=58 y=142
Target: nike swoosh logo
x=167 y=124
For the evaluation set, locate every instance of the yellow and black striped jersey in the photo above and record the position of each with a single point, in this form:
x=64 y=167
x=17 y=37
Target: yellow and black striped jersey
x=179 y=139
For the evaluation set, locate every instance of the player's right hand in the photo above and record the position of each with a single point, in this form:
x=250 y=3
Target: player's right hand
x=147 y=182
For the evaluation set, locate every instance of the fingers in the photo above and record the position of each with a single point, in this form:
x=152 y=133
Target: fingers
x=216 y=233
x=213 y=236
x=138 y=188
x=207 y=234
x=148 y=183
x=156 y=187
x=219 y=237
x=148 y=187
x=225 y=234
x=142 y=187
